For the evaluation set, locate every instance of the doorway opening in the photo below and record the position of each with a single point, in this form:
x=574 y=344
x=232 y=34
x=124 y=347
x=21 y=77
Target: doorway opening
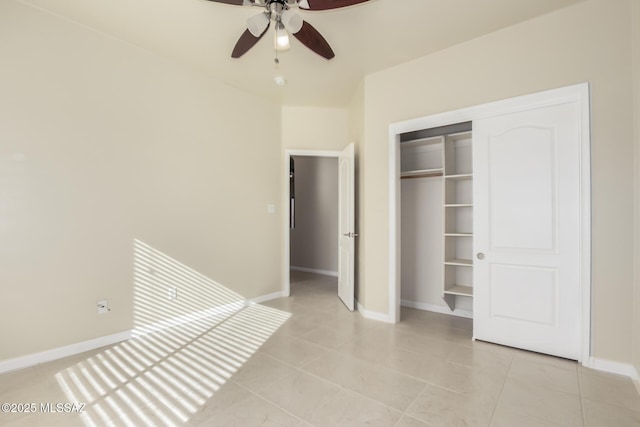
x=313 y=224
x=307 y=253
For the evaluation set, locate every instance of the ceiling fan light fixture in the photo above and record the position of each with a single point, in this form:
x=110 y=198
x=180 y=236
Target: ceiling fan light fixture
x=281 y=37
x=292 y=21
x=257 y=24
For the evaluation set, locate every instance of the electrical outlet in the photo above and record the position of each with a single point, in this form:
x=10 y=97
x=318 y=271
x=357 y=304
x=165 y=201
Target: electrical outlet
x=172 y=293
x=103 y=306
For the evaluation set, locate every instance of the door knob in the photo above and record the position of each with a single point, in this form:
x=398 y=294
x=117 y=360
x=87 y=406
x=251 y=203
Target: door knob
x=480 y=255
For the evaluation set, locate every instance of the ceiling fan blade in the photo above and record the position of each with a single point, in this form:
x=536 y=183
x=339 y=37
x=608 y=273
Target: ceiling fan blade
x=311 y=38
x=235 y=2
x=329 y=4
x=246 y=42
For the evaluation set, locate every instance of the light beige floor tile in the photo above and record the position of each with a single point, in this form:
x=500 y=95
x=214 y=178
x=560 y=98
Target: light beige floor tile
x=558 y=362
x=534 y=401
x=546 y=375
x=386 y=386
x=420 y=318
x=228 y=395
x=370 y=351
x=407 y=421
x=493 y=348
x=138 y=403
x=285 y=304
x=347 y=409
x=599 y=414
x=485 y=360
x=47 y=420
x=506 y=417
x=40 y=389
x=301 y=324
x=439 y=407
x=446 y=333
x=328 y=337
x=425 y=345
x=261 y=371
x=251 y=412
x=451 y=376
x=434 y=326
x=301 y=394
x=19 y=379
x=413 y=364
x=292 y=350
x=609 y=388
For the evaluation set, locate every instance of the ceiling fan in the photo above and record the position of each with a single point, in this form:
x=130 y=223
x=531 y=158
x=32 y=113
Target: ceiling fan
x=286 y=20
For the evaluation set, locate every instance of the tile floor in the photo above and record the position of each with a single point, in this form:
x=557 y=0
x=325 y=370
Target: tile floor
x=304 y=361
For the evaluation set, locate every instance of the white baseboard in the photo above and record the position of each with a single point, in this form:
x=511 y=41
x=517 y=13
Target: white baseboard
x=60 y=352
x=315 y=271
x=30 y=360
x=265 y=298
x=437 y=309
x=613 y=367
x=373 y=315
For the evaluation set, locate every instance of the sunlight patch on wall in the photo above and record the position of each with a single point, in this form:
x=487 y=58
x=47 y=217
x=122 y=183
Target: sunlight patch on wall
x=183 y=350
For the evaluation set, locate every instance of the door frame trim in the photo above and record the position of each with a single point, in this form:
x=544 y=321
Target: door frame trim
x=576 y=93
x=286 y=258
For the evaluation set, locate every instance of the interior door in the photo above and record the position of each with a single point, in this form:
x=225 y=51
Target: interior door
x=346 y=226
x=527 y=230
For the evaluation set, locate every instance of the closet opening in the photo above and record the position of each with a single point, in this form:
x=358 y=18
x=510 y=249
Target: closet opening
x=436 y=219
x=515 y=219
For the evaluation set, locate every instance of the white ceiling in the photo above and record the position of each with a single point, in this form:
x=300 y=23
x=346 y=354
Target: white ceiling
x=366 y=38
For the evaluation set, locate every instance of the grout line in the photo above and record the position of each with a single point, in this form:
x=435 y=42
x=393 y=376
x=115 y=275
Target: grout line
x=506 y=377
x=582 y=411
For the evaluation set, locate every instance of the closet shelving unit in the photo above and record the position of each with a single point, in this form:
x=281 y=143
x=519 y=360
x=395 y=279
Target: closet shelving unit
x=422 y=158
x=458 y=217
x=448 y=156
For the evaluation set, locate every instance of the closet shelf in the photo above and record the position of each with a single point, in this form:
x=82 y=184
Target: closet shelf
x=459 y=205
x=459 y=177
x=458 y=234
x=422 y=173
x=457 y=261
x=463 y=290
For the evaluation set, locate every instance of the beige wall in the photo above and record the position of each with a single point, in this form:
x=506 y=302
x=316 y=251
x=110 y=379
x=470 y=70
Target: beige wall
x=314 y=128
x=102 y=143
x=636 y=73
x=587 y=42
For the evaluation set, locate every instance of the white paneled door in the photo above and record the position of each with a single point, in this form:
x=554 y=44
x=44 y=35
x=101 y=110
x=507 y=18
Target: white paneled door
x=346 y=226
x=527 y=289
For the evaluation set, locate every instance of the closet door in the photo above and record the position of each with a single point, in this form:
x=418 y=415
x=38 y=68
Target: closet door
x=527 y=290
